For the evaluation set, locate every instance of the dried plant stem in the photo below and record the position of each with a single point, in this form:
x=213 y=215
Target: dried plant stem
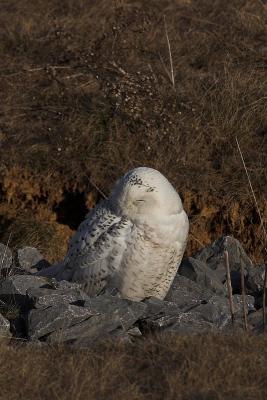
x=170 y=53
x=97 y=188
x=229 y=284
x=196 y=239
x=264 y=298
x=243 y=291
x=253 y=194
x=263 y=230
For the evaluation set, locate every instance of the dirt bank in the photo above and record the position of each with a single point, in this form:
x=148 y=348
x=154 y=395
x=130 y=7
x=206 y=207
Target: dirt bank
x=87 y=92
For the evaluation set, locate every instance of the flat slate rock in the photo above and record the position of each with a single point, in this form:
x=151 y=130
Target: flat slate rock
x=30 y=259
x=255 y=279
x=97 y=317
x=211 y=314
x=165 y=316
x=47 y=297
x=199 y=272
x=190 y=323
x=187 y=294
x=14 y=288
x=217 y=312
x=128 y=311
x=41 y=322
x=111 y=325
x=95 y=328
x=66 y=285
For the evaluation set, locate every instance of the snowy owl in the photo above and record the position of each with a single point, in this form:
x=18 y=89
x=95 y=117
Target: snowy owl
x=134 y=241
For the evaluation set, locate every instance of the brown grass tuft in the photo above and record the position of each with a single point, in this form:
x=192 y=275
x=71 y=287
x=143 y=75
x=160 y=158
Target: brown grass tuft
x=49 y=237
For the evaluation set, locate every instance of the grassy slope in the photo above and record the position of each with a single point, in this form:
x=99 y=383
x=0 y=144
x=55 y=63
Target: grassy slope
x=202 y=367
x=85 y=95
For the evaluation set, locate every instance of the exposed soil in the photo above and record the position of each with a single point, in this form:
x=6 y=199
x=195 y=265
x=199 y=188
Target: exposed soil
x=86 y=93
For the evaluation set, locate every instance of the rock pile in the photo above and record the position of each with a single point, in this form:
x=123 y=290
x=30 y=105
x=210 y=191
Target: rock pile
x=43 y=310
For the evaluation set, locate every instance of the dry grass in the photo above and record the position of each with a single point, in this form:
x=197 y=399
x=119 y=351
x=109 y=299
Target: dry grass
x=188 y=368
x=49 y=237
x=86 y=92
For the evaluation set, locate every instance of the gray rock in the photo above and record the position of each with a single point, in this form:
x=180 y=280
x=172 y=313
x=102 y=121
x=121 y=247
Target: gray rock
x=65 y=285
x=161 y=310
x=199 y=272
x=4 y=327
x=42 y=322
x=255 y=279
x=190 y=323
x=117 y=323
x=128 y=311
x=48 y=297
x=238 y=303
x=213 y=257
x=113 y=317
x=30 y=259
x=211 y=314
x=135 y=332
x=14 y=288
x=6 y=259
x=99 y=317
x=255 y=283
x=84 y=333
x=255 y=320
x=168 y=317
x=217 y=310
x=196 y=301
x=131 y=336
x=187 y=294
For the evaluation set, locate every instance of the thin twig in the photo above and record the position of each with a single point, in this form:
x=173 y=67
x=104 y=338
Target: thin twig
x=72 y=76
x=264 y=298
x=243 y=292
x=196 y=240
x=165 y=68
x=118 y=68
x=253 y=193
x=229 y=285
x=264 y=234
x=97 y=188
x=170 y=53
x=48 y=67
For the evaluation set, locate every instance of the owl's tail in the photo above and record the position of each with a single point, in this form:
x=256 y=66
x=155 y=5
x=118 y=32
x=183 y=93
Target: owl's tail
x=54 y=271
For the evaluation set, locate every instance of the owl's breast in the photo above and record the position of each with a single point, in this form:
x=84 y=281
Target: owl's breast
x=148 y=267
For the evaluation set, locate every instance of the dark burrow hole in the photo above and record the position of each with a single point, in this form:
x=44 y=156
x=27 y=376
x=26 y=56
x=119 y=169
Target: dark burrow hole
x=4 y=223
x=72 y=210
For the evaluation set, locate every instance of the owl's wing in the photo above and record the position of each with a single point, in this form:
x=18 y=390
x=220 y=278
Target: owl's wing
x=96 y=250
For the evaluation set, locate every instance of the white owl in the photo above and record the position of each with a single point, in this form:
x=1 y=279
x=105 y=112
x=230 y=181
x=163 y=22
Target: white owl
x=134 y=241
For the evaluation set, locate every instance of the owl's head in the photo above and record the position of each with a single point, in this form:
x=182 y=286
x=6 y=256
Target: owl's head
x=145 y=191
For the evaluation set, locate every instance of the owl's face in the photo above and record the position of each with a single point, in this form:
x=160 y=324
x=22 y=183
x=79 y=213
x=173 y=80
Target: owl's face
x=145 y=191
